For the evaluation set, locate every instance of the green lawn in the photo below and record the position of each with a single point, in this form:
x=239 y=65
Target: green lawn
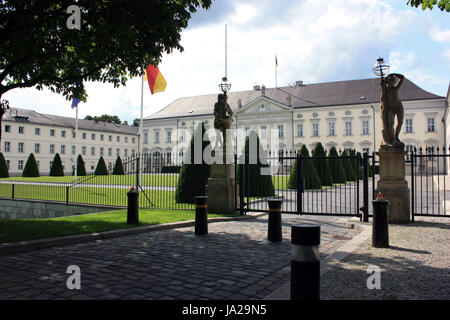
x=30 y=229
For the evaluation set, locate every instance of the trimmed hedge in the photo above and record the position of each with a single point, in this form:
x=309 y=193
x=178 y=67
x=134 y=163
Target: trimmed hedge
x=311 y=178
x=57 y=169
x=4 y=173
x=101 y=169
x=81 y=169
x=118 y=167
x=31 y=168
x=336 y=168
x=348 y=167
x=321 y=165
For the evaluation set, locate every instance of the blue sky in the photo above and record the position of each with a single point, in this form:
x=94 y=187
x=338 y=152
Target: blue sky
x=314 y=40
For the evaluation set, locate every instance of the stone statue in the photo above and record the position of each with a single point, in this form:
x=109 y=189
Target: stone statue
x=391 y=106
x=222 y=120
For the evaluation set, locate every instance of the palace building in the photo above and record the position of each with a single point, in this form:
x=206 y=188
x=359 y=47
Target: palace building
x=343 y=114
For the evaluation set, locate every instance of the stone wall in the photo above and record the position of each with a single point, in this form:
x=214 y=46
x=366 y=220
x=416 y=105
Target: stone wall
x=29 y=209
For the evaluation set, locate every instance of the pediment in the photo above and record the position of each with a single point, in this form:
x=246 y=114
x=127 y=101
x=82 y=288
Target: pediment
x=261 y=105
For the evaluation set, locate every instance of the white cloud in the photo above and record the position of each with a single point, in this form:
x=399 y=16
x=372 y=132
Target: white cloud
x=440 y=35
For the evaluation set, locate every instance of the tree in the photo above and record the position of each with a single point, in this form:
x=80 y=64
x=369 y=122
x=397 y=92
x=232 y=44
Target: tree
x=4 y=173
x=101 y=170
x=81 y=169
x=116 y=41
x=336 y=168
x=193 y=177
x=105 y=118
x=136 y=122
x=256 y=184
x=56 y=169
x=31 y=168
x=321 y=164
x=118 y=167
x=429 y=4
x=310 y=176
x=348 y=167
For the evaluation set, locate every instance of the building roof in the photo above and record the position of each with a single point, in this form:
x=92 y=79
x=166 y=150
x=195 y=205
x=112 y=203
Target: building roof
x=310 y=95
x=31 y=116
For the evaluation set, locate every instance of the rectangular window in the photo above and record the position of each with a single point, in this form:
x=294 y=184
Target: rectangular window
x=125 y=153
x=132 y=140
x=83 y=150
x=7 y=128
x=102 y=137
x=348 y=128
x=83 y=135
x=37 y=131
x=63 y=133
x=365 y=150
x=431 y=125
x=37 y=148
x=118 y=138
x=280 y=131
x=365 y=127
x=92 y=136
x=409 y=125
x=109 y=152
x=92 y=151
x=20 y=164
x=315 y=128
x=73 y=150
x=73 y=134
x=331 y=128
x=7 y=146
x=126 y=139
x=63 y=149
x=263 y=132
x=118 y=152
x=156 y=138
x=21 y=130
x=52 y=149
x=300 y=130
x=101 y=151
x=132 y=152
x=169 y=136
x=52 y=132
x=20 y=147
x=7 y=163
x=109 y=138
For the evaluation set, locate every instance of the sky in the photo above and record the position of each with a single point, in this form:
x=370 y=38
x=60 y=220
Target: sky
x=313 y=40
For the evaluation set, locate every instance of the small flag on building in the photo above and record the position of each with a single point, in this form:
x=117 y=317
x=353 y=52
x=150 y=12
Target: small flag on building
x=276 y=61
x=155 y=79
x=75 y=102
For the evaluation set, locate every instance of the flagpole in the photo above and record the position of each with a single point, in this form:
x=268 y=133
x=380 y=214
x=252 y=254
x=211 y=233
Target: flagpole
x=76 y=144
x=141 y=134
x=276 y=77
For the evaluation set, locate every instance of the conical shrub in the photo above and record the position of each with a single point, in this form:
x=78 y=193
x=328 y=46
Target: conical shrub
x=81 y=169
x=118 y=167
x=101 y=169
x=57 y=169
x=336 y=168
x=348 y=168
x=311 y=178
x=31 y=168
x=4 y=172
x=321 y=165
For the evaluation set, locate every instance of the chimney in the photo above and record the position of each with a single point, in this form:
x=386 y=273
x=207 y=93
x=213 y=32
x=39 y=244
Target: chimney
x=263 y=90
x=299 y=83
x=256 y=87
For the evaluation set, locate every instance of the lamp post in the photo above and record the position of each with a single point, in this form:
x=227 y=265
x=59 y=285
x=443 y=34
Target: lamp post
x=225 y=86
x=380 y=68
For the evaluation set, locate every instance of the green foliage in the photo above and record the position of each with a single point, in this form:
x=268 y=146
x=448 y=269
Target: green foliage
x=311 y=178
x=118 y=167
x=4 y=173
x=429 y=4
x=321 y=165
x=117 y=39
x=256 y=184
x=104 y=118
x=193 y=177
x=31 y=168
x=348 y=167
x=81 y=169
x=57 y=169
x=101 y=169
x=336 y=168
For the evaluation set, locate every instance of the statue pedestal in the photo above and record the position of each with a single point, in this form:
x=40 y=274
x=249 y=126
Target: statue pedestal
x=221 y=189
x=392 y=184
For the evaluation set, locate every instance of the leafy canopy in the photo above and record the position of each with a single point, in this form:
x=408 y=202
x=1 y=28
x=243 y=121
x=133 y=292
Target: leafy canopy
x=117 y=40
x=429 y=4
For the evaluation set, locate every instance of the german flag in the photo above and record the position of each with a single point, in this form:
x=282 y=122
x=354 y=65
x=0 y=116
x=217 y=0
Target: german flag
x=155 y=79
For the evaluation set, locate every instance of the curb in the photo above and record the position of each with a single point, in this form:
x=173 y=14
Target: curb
x=24 y=246
x=284 y=292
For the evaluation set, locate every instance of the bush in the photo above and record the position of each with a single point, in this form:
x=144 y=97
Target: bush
x=321 y=165
x=31 y=168
x=101 y=169
x=255 y=183
x=57 y=170
x=4 y=173
x=311 y=178
x=118 y=167
x=81 y=169
x=348 y=167
x=336 y=168
x=193 y=177
x=170 y=169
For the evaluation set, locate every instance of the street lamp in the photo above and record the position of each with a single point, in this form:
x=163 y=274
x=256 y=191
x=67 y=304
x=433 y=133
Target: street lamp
x=380 y=68
x=225 y=86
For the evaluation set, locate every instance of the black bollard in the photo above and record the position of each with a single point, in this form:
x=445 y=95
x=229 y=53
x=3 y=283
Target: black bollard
x=133 y=207
x=274 y=227
x=305 y=263
x=380 y=228
x=201 y=215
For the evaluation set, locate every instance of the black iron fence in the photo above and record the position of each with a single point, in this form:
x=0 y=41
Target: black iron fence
x=429 y=182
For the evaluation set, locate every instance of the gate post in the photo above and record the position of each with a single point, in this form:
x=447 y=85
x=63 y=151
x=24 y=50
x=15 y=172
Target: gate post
x=241 y=189
x=300 y=185
x=413 y=196
x=366 y=187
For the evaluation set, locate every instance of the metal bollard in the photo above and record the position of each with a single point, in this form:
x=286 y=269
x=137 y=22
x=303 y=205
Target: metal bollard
x=133 y=207
x=380 y=227
x=274 y=233
x=305 y=263
x=201 y=215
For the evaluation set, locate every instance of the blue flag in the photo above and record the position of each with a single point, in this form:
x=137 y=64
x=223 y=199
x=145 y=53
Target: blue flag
x=75 y=102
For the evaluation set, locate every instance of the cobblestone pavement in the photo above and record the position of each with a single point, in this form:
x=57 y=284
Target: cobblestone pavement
x=416 y=266
x=234 y=261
